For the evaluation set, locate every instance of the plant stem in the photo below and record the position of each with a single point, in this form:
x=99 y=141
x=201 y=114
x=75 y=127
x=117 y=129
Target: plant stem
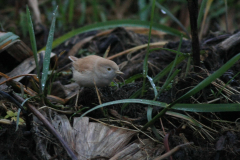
x=193 y=13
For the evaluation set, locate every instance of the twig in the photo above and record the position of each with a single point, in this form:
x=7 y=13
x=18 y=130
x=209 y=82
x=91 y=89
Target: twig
x=175 y=149
x=9 y=79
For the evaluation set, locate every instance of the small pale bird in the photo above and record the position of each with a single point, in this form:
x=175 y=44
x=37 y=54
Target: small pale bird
x=92 y=69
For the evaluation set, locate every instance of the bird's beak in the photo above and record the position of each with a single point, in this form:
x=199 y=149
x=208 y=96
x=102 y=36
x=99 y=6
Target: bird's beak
x=119 y=72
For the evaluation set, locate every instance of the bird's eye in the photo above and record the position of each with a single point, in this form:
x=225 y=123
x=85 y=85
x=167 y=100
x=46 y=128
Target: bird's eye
x=109 y=69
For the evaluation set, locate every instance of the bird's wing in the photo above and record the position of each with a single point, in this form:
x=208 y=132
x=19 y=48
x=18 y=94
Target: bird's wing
x=85 y=64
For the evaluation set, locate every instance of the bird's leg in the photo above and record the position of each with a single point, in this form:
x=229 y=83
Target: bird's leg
x=79 y=92
x=76 y=100
x=99 y=98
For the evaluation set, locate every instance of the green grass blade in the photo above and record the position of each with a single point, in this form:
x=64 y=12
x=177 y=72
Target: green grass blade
x=46 y=61
x=173 y=66
x=217 y=13
x=147 y=102
x=145 y=63
x=33 y=41
x=131 y=79
x=174 y=62
x=23 y=24
x=182 y=107
x=112 y=24
x=168 y=81
x=95 y=10
x=168 y=68
x=188 y=66
x=173 y=18
x=149 y=117
x=83 y=12
x=153 y=86
x=149 y=110
x=143 y=9
x=18 y=115
x=71 y=10
x=233 y=107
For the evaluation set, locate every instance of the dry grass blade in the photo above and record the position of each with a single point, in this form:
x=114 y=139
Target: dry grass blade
x=209 y=2
x=156 y=44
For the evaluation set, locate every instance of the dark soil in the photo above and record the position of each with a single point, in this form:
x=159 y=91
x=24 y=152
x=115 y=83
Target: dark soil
x=220 y=145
